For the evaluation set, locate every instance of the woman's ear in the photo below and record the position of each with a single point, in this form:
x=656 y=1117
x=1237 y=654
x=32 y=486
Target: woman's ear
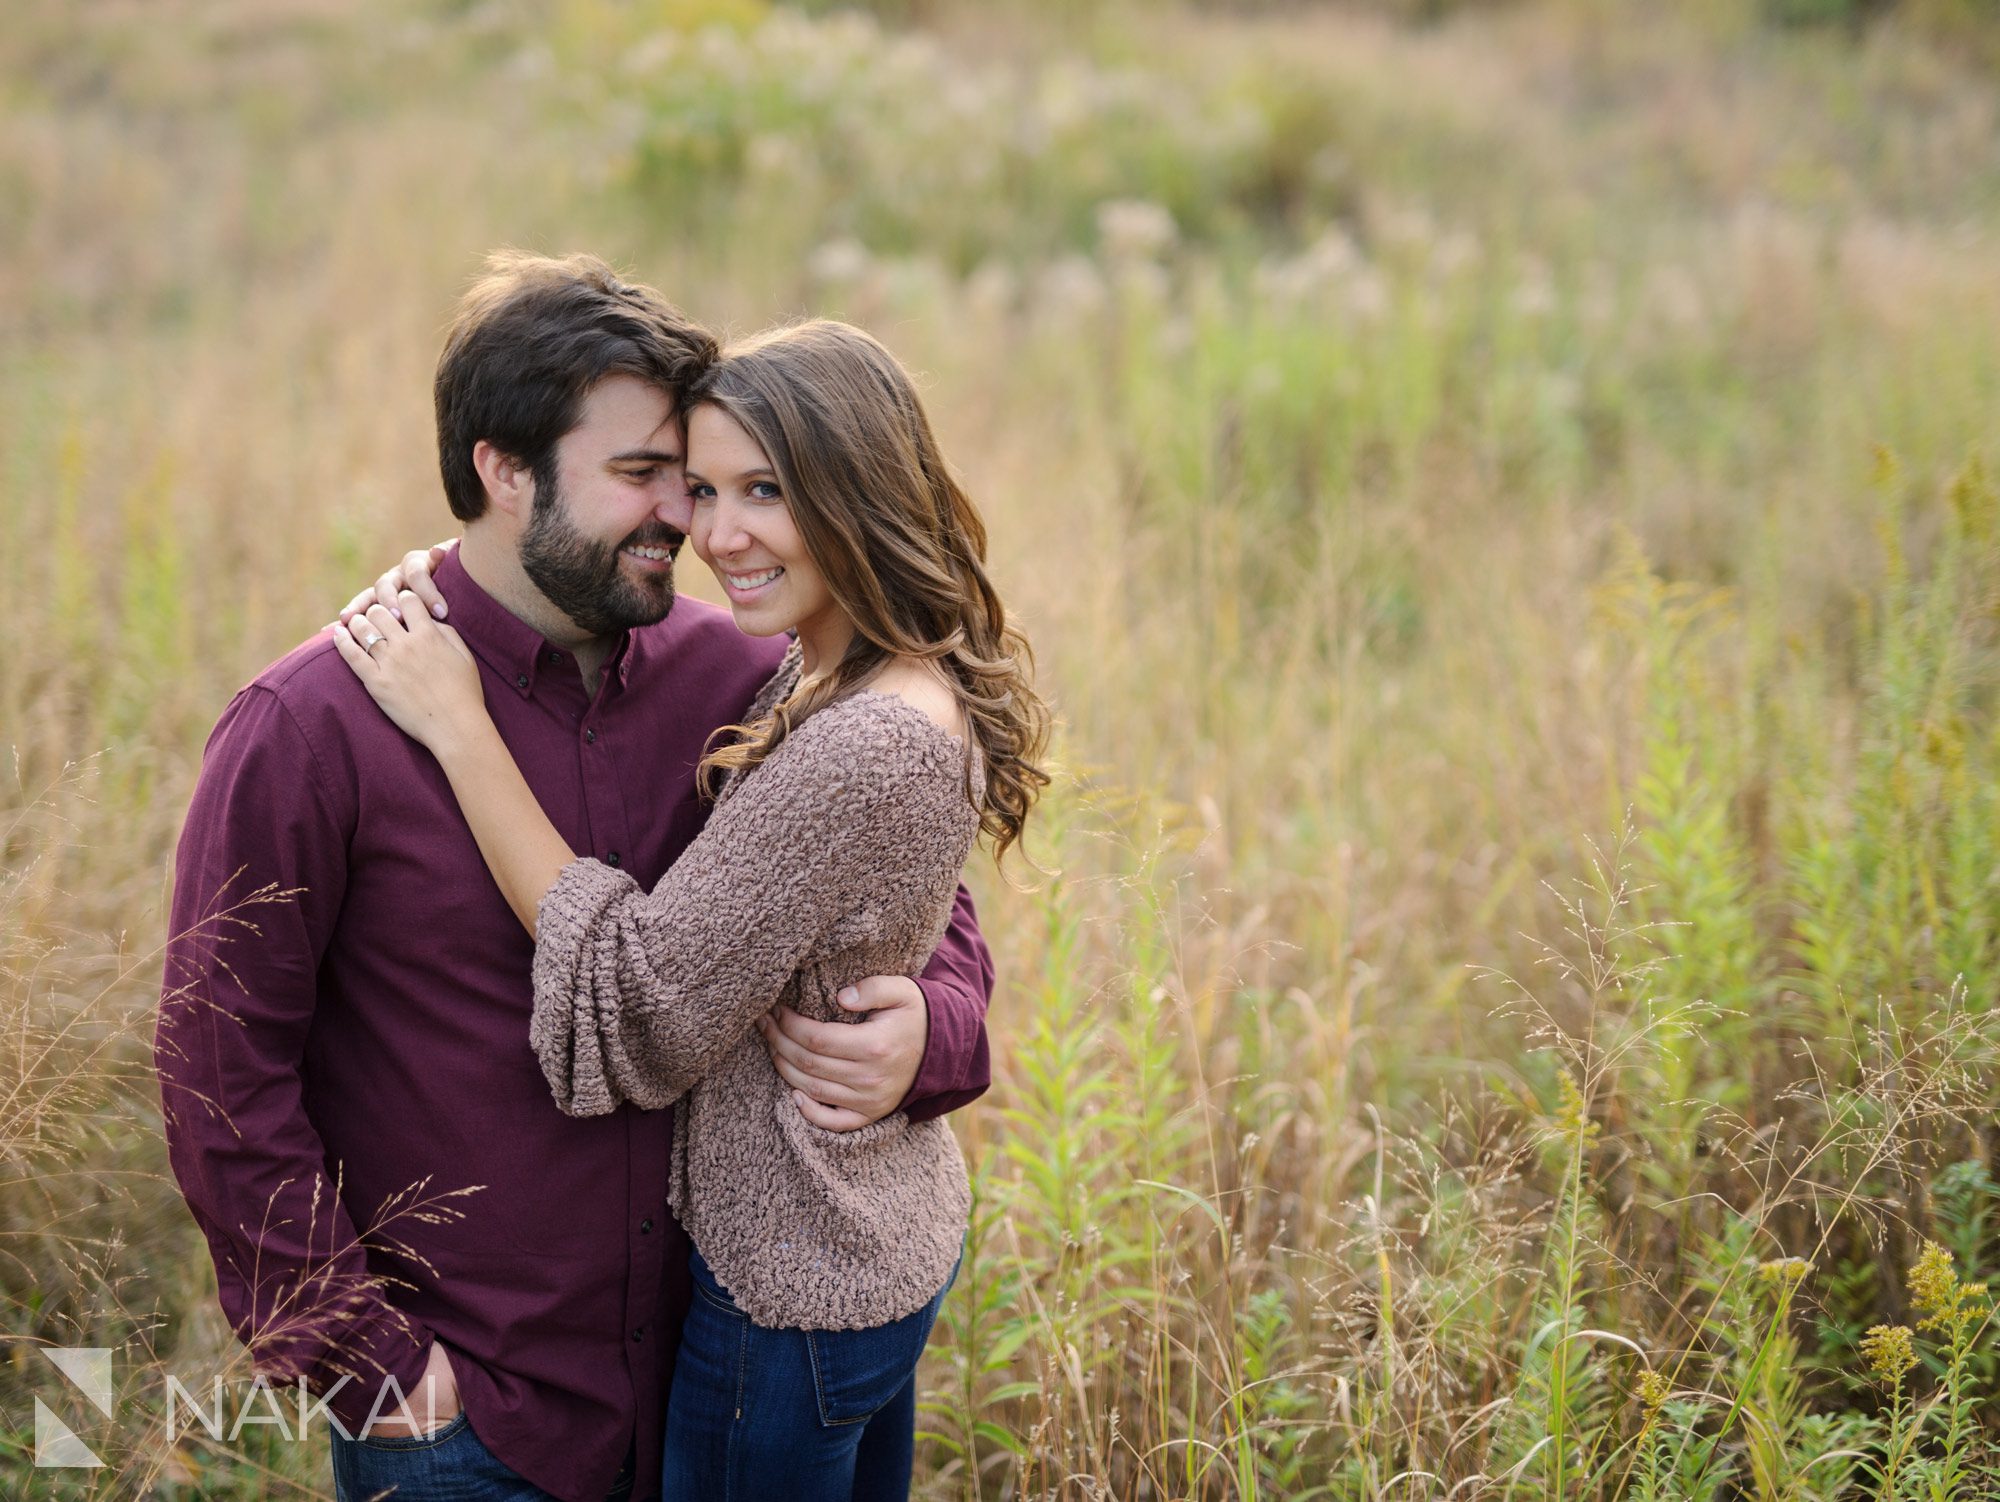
x=510 y=486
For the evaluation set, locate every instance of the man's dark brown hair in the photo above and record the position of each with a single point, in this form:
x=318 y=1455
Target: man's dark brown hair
x=527 y=343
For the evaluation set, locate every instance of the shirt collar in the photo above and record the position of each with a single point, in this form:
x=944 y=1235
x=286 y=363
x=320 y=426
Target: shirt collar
x=502 y=640
x=622 y=655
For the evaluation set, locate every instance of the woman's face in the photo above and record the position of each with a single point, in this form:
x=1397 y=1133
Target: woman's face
x=743 y=530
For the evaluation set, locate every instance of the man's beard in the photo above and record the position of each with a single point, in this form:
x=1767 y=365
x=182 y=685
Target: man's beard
x=580 y=576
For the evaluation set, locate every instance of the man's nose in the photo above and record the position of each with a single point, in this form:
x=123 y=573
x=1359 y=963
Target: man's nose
x=676 y=509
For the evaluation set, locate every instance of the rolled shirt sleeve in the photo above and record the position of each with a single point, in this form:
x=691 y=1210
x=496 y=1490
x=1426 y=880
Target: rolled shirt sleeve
x=259 y=879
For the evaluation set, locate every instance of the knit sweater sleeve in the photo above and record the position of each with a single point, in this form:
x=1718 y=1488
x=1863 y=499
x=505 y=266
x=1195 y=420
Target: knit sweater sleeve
x=638 y=995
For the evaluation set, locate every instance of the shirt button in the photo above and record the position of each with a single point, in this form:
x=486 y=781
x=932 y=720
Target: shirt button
x=555 y=658
x=590 y=737
x=611 y=858
x=640 y=1333
x=645 y=1226
x=521 y=681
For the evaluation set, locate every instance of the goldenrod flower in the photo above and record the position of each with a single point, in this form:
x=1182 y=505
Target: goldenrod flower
x=1654 y=1390
x=1785 y=1272
x=1891 y=1352
x=1933 y=1283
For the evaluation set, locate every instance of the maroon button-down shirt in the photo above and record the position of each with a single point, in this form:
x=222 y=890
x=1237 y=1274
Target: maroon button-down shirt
x=338 y=1062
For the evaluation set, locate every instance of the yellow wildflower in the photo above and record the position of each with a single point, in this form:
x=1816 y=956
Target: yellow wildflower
x=1654 y=1390
x=1785 y=1272
x=1891 y=1352
x=1933 y=1283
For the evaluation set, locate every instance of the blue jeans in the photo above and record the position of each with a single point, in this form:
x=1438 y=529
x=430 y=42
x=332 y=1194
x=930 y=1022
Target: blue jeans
x=450 y=1465
x=758 y=1414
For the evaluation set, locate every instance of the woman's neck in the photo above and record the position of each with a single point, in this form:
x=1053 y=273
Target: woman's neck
x=822 y=644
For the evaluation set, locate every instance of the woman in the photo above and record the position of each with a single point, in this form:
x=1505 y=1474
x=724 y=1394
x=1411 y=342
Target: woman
x=900 y=726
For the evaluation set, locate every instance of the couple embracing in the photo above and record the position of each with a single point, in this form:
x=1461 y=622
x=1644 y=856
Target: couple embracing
x=569 y=982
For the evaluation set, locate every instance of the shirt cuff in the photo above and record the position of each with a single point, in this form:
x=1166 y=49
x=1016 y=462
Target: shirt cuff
x=369 y=1353
x=955 y=1070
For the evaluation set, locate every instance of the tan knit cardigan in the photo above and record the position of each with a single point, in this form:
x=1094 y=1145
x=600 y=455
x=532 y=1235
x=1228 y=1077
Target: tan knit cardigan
x=834 y=859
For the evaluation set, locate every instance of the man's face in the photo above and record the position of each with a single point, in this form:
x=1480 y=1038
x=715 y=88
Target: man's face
x=606 y=525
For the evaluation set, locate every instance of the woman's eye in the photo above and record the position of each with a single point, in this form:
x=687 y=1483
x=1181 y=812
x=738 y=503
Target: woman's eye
x=701 y=492
x=765 y=490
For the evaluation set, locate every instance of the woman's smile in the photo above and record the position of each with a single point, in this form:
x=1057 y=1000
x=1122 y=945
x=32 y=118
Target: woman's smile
x=749 y=584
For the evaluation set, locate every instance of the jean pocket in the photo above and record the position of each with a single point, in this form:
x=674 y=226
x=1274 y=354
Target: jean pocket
x=446 y=1432
x=719 y=1301
x=856 y=1372
x=707 y=1289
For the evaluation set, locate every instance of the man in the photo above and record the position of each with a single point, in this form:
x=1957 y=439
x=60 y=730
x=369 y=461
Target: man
x=395 y=1207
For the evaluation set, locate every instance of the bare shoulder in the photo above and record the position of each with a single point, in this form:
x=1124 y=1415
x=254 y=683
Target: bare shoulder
x=924 y=687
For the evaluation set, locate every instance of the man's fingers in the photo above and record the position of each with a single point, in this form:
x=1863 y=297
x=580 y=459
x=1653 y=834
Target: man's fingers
x=833 y=1040
x=825 y=1091
x=833 y=1118
x=843 y=1069
x=880 y=993
x=810 y=1065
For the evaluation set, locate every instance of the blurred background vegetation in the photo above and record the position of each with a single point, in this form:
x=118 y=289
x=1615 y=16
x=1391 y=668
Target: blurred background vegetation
x=1503 y=495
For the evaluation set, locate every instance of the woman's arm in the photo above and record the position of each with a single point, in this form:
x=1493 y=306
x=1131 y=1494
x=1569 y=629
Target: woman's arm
x=423 y=676
x=638 y=995
x=522 y=848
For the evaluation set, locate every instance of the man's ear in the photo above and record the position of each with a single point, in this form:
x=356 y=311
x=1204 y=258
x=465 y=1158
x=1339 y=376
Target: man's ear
x=510 y=485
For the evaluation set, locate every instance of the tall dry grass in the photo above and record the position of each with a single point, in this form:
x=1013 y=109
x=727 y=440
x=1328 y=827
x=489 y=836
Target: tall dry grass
x=1505 y=507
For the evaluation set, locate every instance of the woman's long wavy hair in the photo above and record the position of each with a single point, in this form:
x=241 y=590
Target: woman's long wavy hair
x=899 y=541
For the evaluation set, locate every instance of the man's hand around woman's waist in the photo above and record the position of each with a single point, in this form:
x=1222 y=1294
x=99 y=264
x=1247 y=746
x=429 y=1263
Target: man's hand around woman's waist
x=844 y=1075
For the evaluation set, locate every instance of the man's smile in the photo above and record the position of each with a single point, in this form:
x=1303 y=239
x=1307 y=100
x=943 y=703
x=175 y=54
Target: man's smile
x=655 y=555
x=653 y=558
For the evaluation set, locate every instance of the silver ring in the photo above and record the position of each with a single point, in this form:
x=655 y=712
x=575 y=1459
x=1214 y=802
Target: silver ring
x=374 y=641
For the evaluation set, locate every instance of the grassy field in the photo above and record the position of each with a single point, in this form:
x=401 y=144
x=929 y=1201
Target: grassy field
x=1505 y=498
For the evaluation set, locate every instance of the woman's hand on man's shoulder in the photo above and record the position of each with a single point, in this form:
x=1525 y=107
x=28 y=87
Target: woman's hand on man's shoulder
x=414 y=574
